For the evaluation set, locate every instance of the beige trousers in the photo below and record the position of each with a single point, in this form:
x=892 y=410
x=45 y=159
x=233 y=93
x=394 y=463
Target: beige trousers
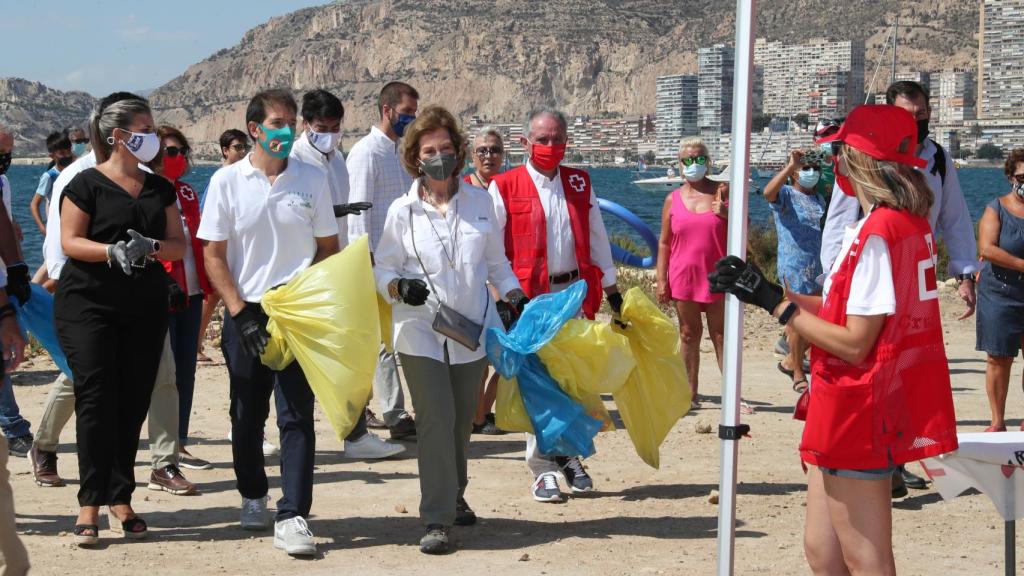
x=13 y=556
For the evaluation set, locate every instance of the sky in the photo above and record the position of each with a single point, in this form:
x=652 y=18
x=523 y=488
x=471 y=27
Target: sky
x=100 y=46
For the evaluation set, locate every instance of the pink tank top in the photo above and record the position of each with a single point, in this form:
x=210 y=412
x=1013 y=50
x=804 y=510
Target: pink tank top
x=698 y=241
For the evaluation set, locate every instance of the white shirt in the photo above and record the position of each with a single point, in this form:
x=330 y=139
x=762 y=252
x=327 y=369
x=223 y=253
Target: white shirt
x=5 y=188
x=53 y=252
x=561 y=248
x=948 y=217
x=476 y=244
x=270 y=229
x=871 y=289
x=337 y=177
x=375 y=174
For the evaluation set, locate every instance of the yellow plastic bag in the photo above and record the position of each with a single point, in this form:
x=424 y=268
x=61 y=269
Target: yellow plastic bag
x=509 y=411
x=386 y=326
x=588 y=359
x=327 y=319
x=657 y=394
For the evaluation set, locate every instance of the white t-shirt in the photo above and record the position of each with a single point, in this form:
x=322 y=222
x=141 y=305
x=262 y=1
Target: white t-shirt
x=871 y=291
x=5 y=186
x=337 y=177
x=270 y=229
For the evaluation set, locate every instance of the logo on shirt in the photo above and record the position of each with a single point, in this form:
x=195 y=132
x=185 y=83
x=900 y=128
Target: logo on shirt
x=187 y=193
x=299 y=199
x=577 y=183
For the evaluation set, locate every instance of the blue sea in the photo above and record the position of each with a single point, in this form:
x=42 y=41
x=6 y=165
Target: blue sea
x=979 y=185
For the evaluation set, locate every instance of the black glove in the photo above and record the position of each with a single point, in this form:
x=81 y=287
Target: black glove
x=507 y=314
x=354 y=208
x=520 y=304
x=177 y=300
x=615 y=303
x=746 y=282
x=413 y=292
x=252 y=329
x=18 y=282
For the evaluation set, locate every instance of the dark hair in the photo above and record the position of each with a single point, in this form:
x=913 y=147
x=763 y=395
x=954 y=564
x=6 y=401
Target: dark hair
x=1015 y=157
x=321 y=104
x=906 y=88
x=229 y=136
x=102 y=149
x=165 y=131
x=58 y=141
x=428 y=120
x=120 y=114
x=257 y=109
x=391 y=95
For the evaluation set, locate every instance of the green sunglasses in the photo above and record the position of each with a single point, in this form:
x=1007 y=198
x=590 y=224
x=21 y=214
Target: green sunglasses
x=689 y=160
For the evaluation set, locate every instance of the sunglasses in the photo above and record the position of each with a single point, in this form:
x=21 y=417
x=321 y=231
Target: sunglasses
x=485 y=151
x=172 y=151
x=1019 y=178
x=240 y=147
x=690 y=160
x=80 y=141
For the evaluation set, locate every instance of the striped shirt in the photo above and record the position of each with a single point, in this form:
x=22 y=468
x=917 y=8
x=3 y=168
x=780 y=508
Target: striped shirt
x=375 y=174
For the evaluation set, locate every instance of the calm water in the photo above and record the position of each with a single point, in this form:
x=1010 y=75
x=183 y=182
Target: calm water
x=979 y=185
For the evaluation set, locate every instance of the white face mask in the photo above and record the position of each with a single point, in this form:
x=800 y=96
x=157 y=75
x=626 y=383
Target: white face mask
x=325 y=142
x=143 y=146
x=694 y=172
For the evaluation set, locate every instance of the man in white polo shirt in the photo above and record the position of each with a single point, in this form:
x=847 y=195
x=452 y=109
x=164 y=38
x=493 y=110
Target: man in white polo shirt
x=266 y=219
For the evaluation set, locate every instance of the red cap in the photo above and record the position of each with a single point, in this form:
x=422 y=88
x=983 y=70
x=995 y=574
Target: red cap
x=882 y=131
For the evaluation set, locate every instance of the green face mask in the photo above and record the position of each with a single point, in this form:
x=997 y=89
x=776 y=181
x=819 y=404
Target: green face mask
x=278 y=142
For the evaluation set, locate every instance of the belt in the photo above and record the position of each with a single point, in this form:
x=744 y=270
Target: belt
x=1008 y=276
x=564 y=278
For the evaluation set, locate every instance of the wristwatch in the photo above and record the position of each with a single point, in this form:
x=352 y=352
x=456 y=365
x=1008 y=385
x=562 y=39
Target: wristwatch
x=961 y=277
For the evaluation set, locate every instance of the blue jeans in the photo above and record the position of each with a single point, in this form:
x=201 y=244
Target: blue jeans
x=184 y=327
x=11 y=422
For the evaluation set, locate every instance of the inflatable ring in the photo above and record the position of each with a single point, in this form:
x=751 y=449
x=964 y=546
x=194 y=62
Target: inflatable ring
x=621 y=254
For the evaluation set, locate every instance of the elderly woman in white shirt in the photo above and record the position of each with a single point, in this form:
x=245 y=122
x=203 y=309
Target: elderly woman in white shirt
x=439 y=249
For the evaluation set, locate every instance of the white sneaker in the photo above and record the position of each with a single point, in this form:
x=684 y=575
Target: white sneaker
x=371 y=447
x=293 y=536
x=254 y=513
x=268 y=448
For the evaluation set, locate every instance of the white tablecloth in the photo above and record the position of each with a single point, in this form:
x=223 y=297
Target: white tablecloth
x=992 y=462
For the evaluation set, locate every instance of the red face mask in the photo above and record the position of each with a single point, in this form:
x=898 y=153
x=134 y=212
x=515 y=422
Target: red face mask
x=174 y=167
x=547 y=158
x=844 y=183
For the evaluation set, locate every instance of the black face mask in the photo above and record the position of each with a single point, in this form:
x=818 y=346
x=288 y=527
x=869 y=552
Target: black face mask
x=64 y=161
x=5 y=163
x=922 y=130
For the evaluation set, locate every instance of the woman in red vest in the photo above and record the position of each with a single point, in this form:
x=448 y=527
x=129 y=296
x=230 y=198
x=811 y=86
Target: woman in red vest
x=880 y=393
x=190 y=285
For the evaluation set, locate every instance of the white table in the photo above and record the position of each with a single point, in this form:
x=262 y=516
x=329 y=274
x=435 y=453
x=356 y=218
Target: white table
x=993 y=463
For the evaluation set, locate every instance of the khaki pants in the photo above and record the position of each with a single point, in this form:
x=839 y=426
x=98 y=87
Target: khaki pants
x=163 y=413
x=13 y=556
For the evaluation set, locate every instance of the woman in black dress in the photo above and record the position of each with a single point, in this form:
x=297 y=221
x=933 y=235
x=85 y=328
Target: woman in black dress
x=111 y=306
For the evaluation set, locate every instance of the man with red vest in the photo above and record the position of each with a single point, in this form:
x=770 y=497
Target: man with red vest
x=554 y=235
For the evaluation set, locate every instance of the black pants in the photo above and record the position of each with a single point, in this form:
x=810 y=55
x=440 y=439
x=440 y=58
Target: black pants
x=251 y=386
x=113 y=356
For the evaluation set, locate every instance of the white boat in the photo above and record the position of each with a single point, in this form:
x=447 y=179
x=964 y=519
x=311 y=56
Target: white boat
x=666 y=183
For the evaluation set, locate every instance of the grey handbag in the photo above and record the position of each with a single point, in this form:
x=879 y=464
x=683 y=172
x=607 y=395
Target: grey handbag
x=447 y=321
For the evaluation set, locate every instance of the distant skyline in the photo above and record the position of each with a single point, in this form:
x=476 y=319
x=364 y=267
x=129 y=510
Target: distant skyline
x=99 y=46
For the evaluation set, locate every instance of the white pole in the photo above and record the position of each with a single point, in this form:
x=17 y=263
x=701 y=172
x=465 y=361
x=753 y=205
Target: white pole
x=740 y=166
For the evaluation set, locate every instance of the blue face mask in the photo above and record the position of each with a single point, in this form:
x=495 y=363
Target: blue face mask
x=78 y=149
x=808 y=178
x=278 y=142
x=399 y=125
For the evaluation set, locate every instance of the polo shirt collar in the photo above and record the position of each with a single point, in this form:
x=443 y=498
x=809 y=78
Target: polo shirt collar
x=538 y=177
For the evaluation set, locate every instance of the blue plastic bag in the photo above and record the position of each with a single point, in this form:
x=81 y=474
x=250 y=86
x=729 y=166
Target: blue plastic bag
x=36 y=318
x=561 y=424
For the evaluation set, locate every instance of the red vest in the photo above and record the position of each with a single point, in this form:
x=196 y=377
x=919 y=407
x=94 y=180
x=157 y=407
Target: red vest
x=189 y=204
x=526 y=238
x=896 y=406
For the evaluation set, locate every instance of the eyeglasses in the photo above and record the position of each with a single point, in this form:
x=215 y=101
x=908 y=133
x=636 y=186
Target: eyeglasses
x=80 y=141
x=690 y=160
x=485 y=151
x=173 y=151
x=240 y=147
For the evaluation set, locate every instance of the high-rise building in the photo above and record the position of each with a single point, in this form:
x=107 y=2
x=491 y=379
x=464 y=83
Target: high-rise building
x=716 y=65
x=815 y=78
x=955 y=97
x=676 y=112
x=1001 y=60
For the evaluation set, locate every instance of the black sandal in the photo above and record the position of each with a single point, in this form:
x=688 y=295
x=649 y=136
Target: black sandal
x=83 y=539
x=134 y=528
x=797 y=385
x=784 y=370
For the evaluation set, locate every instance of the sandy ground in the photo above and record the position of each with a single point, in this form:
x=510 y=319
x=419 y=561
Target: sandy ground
x=640 y=521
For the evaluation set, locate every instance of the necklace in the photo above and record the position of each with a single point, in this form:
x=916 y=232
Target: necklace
x=453 y=231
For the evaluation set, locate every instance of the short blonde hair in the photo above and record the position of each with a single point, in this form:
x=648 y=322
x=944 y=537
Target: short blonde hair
x=693 y=142
x=891 y=184
x=429 y=119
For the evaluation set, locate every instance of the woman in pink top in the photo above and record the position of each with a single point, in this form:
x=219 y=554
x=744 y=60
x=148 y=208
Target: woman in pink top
x=693 y=236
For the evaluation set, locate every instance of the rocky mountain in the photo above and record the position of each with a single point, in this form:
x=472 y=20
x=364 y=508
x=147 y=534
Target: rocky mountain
x=31 y=111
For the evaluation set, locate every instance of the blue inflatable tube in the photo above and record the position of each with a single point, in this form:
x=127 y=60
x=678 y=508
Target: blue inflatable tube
x=621 y=254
